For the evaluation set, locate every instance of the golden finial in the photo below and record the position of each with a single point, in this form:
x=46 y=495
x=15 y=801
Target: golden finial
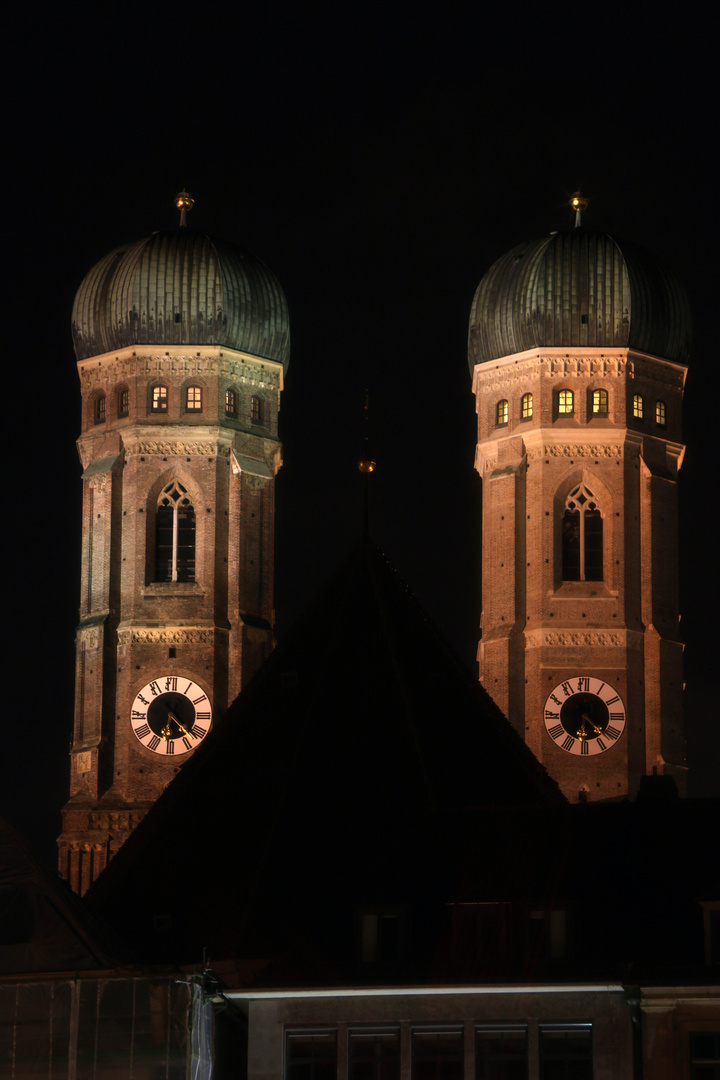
x=578 y=203
x=184 y=202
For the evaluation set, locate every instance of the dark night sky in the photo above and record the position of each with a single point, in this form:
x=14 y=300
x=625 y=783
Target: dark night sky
x=379 y=160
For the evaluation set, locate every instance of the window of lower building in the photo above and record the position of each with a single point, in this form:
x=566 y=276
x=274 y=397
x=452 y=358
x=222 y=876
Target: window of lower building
x=705 y=1055
x=123 y=402
x=256 y=409
x=526 y=407
x=638 y=407
x=374 y=1055
x=231 y=402
x=660 y=414
x=174 y=535
x=566 y=1052
x=193 y=399
x=501 y=1053
x=582 y=537
x=311 y=1055
x=159 y=399
x=501 y=413
x=600 y=402
x=565 y=402
x=437 y=1054
x=99 y=409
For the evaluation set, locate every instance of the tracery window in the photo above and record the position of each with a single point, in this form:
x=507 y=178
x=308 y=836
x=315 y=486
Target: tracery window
x=123 y=402
x=526 y=406
x=256 y=409
x=638 y=407
x=501 y=412
x=565 y=403
x=99 y=409
x=174 y=535
x=582 y=537
x=660 y=414
x=193 y=399
x=159 y=399
x=231 y=402
x=599 y=402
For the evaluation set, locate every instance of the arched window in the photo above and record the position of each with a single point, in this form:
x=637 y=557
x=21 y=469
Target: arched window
x=565 y=403
x=231 y=402
x=159 y=399
x=123 y=402
x=600 y=402
x=193 y=399
x=256 y=409
x=582 y=537
x=501 y=412
x=174 y=535
x=526 y=406
x=660 y=414
x=638 y=407
x=99 y=409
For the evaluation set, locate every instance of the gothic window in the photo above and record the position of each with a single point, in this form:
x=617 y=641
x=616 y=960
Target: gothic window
x=256 y=409
x=660 y=414
x=231 y=402
x=99 y=409
x=501 y=413
x=526 y=406
x=174 y=535
x=193 y=399
x=638 y=407
x=123 y=402
x=159 y=399
x=600 y=402
x=582 y=537
x=565 y=403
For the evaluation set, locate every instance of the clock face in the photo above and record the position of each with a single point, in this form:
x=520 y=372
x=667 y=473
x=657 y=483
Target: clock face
x=171 y=715
x=584 y=715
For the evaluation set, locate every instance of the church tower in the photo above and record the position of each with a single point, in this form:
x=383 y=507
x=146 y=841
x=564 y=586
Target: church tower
x=578 y=347
x=181 y=344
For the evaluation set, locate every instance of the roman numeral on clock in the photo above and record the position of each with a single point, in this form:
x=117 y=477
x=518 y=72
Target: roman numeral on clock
x=612 y=733
x=142 y=732
x=569 y=743
x=556 y=732
x=198 y=732
x=202 y=716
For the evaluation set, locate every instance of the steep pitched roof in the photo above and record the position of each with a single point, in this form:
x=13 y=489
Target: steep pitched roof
x=360 y=727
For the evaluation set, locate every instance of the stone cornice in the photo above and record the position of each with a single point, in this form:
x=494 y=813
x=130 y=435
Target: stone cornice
x=561 y=638
x=179 y=362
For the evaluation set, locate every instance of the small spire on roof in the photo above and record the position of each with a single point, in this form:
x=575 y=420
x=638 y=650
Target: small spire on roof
x=578 y=203
x=184 y=202
x=366 y=465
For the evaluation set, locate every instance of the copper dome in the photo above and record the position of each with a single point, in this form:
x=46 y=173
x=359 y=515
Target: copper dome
x=181 y=288
x=579 y=289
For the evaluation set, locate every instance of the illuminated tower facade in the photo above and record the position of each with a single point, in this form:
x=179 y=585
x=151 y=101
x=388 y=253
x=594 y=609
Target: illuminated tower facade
x=578 y=348
x=181 y=343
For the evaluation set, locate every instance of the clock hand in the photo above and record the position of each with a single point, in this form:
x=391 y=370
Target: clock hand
x=172 y=716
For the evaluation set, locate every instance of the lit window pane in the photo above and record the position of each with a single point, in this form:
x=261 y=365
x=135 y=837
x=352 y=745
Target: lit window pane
x=660 y=414
x=638 y=407
x=565 y=402
x=193 y=401
x=526 y=406
x=502 y=412
x=599 y=402
x=159 y=399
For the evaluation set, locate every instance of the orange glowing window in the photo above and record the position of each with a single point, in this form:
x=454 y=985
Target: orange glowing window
x=501 y=413
x=600 y=402
x=159 y=400
x=526 y=407
x=193 y=399
x=565 y=403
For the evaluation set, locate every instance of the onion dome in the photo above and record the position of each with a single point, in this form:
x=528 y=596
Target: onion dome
x=579 y=289
x=181 y=288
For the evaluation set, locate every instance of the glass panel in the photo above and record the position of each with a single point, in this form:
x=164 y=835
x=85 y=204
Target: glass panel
x=163 y=543
x=593 y=545
x=256 y=410
x=526 y=407
x=660 y=413
x=374 y=1055
x=502 y=412
x=311 y=1056
x=186 y=543
x=571 y=545
x=437 y=1055
x=501 y=1055
x=638 y=407
x=600 y=401
x=565 y=402
x=159 y=399
x=566 y=1053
